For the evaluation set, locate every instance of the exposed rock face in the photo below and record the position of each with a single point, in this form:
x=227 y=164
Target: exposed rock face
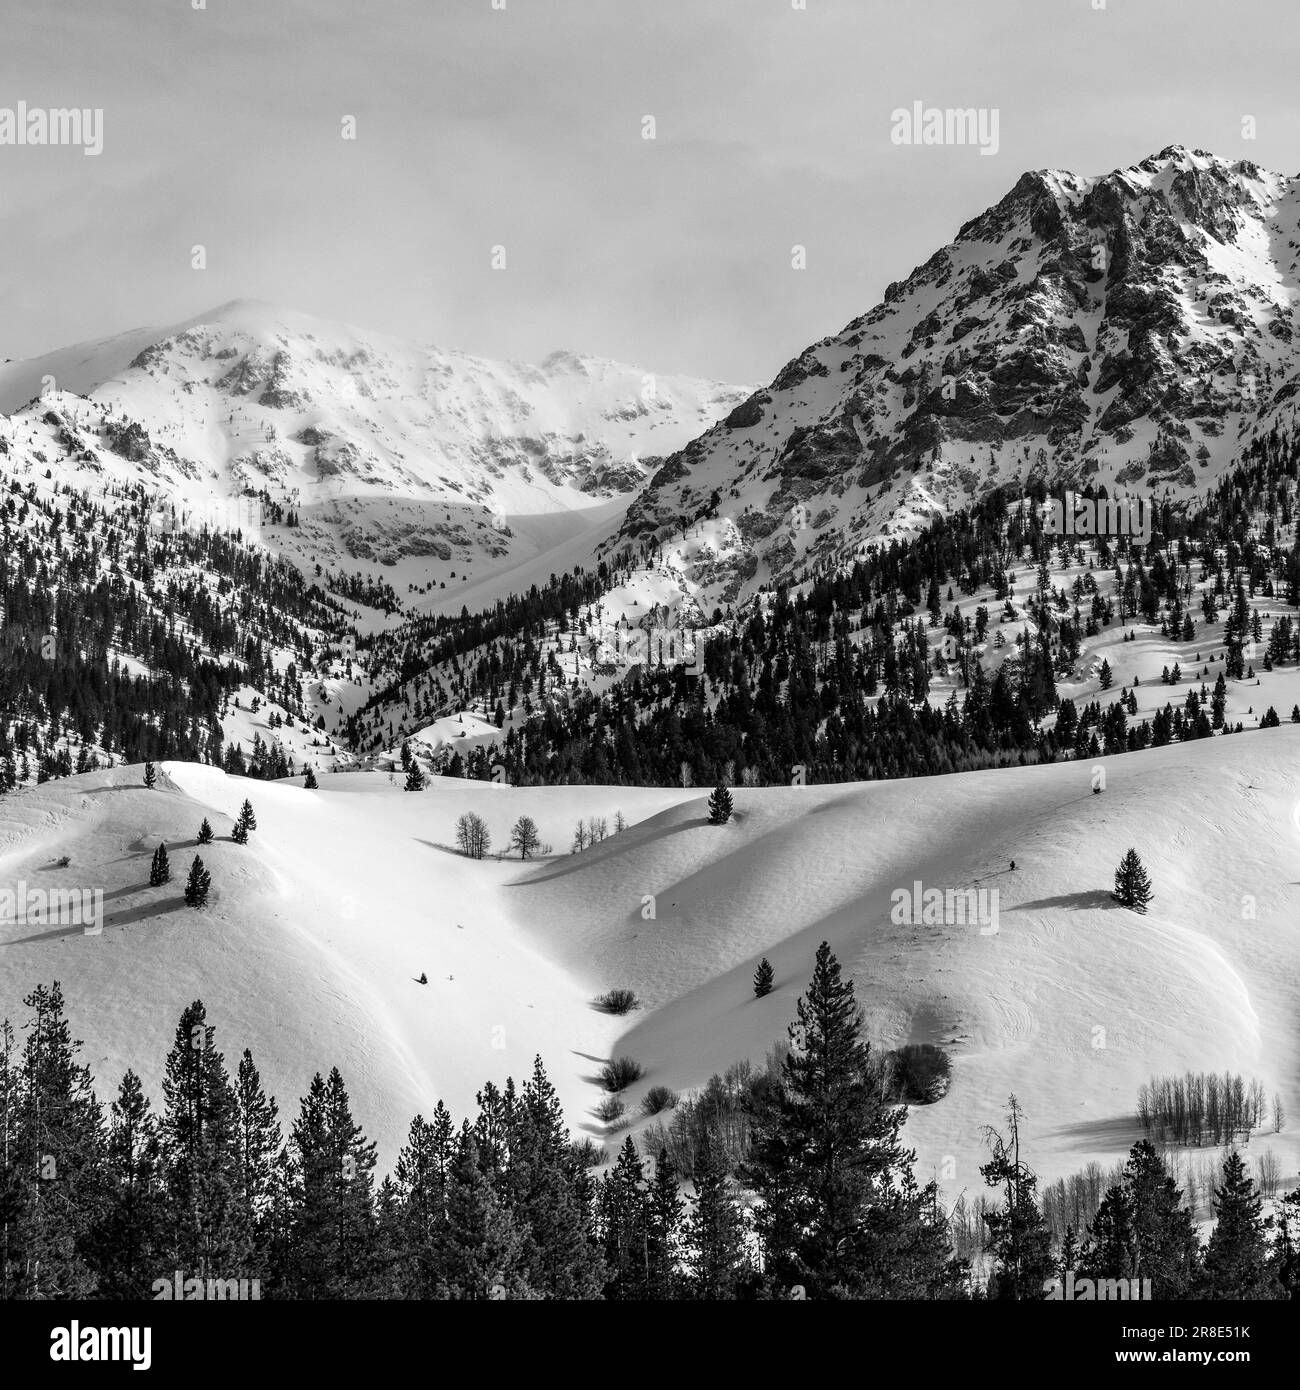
x=1126 y=330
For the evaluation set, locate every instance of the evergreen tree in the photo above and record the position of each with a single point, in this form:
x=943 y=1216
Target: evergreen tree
x=333 y=1216
x=826 y=1161
x=131 y=1237
x=198 y=885
x=208 y=1235
x=1019 y=1240
x=1142 y=1230
x=664 y=1208
x=763 y=978
x=1132 y=886
x=548 y=1196
x=247 y=820
x=421 y=1180
x=414 y=779
x=309 y=782
x=624 y=1225
x=150 y=776
x=258 y=1139
x=719 y=805
x=1236 y=1258
x=205 y=832
x=58 y=1157
x=715 y=1240
x=480 y=1254
x=159 y=870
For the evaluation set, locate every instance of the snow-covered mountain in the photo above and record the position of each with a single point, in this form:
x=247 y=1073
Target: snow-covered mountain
x=1130 y=330
x=379 y=448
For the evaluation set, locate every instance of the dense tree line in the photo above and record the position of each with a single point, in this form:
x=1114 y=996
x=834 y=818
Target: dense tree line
x=802 y=1189
x=832 y=676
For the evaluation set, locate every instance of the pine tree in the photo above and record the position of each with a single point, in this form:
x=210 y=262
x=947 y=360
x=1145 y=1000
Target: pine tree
x=421 y=1180
x=715 y=1232
x=57 y=1153
x=763 y=978
x=150 y=776
x=333 y=1215
x=414 y=779
x=159 y=870
x=208 y=1236
x=1132 y=886
x=549 y=1196
x=825 y=1159
x=130 y=1239
x=1019 y=1240
x=1142 y=1230
x=258 y=1141
x=205 y=832
x=719 y=805
x=1236 y=1258
x=623 y=1220
x=480 y=1250
x=664 y=1208
x=309 y=782
x=247 y=820
x=198 y=885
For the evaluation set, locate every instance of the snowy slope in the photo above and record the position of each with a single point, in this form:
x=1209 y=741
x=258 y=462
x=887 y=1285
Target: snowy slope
x=1131 y=330
x=317 y=930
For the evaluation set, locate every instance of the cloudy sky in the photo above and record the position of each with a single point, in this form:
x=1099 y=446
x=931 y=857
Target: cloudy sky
x=522 y=127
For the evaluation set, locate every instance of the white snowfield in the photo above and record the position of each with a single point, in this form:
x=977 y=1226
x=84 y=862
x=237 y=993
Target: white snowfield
x=316 y=933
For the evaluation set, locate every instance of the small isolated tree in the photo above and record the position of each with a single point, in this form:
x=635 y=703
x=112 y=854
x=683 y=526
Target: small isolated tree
x=150 y=776
x=240 y=833
x=719 y=805
x=205 y=832
x=246 y=817
x=309 y=781
x=472 y=836
x=524 y=836
x=414 y=779
x=1132 y=886
x=1106 y=676
x=197 y=885
x=160 y=871
x=763 y=978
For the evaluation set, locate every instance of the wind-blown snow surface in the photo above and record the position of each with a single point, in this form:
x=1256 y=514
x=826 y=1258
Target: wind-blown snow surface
x=316 y=932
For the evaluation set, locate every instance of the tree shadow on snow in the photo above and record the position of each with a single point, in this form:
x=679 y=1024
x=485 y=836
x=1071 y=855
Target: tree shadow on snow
x=1116 y=1134
x=1077 y=902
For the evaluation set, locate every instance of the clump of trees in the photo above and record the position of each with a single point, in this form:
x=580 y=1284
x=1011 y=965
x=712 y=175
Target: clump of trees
x=1200 y=1108
x=472 y=837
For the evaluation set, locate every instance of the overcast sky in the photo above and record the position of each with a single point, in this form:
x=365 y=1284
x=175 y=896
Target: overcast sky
x=478 y=127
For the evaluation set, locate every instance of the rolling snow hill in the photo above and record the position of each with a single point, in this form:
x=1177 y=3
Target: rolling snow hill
x=316 y=933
